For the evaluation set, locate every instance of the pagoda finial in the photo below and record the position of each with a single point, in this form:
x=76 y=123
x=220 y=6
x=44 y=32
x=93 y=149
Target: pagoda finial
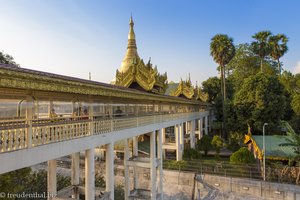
x=131 y=56
x=131 y=20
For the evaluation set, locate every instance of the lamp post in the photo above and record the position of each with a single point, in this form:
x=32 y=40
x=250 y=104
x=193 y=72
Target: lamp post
x=264 y=148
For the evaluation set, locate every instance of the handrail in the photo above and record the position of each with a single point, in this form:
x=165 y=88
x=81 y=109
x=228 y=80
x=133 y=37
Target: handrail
x=35 y=132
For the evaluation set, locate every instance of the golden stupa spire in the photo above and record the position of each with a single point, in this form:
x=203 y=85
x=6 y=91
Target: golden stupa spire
x=131 y=56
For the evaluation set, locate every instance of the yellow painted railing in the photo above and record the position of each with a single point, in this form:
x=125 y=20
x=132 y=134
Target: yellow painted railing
x=33 y=133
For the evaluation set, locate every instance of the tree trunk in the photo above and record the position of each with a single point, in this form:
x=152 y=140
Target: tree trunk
x=279 y=67
x=223 y=100
x=261 y=65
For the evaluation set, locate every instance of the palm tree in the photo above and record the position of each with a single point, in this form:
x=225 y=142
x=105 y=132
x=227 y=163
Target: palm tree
x=261 y=46
x=222 y=50
x=278 y=44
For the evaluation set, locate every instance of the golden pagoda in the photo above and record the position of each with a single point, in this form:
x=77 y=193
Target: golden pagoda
x=134 y=73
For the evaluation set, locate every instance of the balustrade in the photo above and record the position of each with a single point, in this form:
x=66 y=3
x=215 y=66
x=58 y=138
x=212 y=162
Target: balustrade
x=13 y=136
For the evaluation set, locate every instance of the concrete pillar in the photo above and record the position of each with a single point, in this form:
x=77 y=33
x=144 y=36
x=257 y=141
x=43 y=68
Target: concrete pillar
x=135 y=153
x=153 y=164
x=200 y=127
x=186 y=127
x=110 y=169
x=163 y=139
x=210 y=120
x=52 y=178
x=75 y=174
x=126 y=171
x=181 y=132
x=177 y=140
x=89 y=174
x=206 y=125
x=192 y=134
x=160 y=166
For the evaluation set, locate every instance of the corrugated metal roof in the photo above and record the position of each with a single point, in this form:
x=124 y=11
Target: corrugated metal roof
x=274 y=147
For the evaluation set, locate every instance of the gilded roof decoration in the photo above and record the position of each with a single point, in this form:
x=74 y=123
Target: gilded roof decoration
x=185 y=89
x=134 y=70
x=31 y=81
x=200 y=95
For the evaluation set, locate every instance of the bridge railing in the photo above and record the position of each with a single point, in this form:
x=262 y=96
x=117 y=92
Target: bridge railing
x=31 y=133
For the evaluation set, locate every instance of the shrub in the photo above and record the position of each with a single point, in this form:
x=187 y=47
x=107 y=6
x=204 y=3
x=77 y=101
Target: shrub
x=217 y=143
x=242 y=156
x=177 y=165
x=190 y=154
x=204 y=144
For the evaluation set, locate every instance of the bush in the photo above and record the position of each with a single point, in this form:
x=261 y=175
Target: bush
x=242 y=156
x=235 y=139
x=190 y=154
x=204 y=144
x=119 y=192
x=217 y=143
x=176 y=165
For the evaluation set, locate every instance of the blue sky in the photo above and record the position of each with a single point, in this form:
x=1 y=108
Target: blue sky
x=75 y=37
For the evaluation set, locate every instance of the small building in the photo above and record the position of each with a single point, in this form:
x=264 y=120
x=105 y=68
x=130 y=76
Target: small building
x=275 y=150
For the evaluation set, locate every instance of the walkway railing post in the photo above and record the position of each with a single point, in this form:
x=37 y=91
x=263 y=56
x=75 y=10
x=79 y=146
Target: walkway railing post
x=29 y=114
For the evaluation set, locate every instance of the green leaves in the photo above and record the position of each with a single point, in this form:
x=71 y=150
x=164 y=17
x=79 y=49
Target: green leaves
x=222 y=49
x=242 y=156
x=261 y=99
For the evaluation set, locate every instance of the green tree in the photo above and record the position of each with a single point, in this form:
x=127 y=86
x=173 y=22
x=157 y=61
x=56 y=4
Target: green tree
x=15 y=181
x=242 y=156
x=217 y=144
x=212 y=87
x=261 y=46
x=222 y=50
x=204 y=144
x=278 y=45
x=261 y=99
x=7 y=59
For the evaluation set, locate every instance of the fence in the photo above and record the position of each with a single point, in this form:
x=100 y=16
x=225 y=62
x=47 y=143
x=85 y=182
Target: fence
x=283 y=174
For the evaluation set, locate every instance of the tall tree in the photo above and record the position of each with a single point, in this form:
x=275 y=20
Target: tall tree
x=222 y=50
x=260 y=100
x=7 y=59
x=278 y=45
x=261 y=46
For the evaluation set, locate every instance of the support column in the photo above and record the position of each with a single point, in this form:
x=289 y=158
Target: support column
x=163 y=139
x=181 y=132
x=75 y=174
x=135 y=153
x=89 y=174
x=153 y=164
x=206 y=125
x=177 y=140
x=52 y=190
x=110 y=169
x=186 y=127
x=210 y=120
x=200 y=127
x=192 y=134
x=160 y=166
x=126 y=170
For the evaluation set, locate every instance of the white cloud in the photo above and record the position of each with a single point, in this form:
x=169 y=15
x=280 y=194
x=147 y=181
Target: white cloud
x=297 y=68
